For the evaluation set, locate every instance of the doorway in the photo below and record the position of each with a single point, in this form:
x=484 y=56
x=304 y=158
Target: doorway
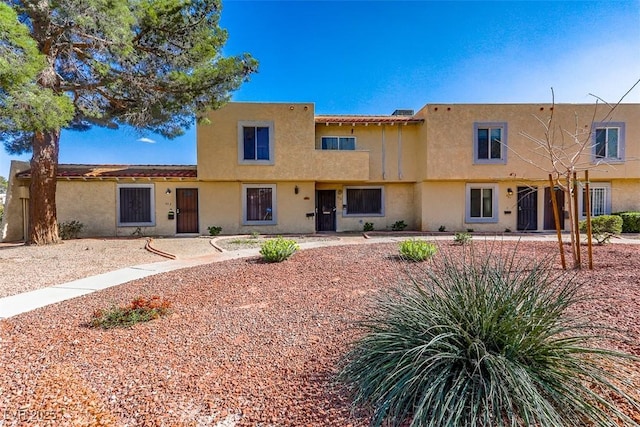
x=527 y=208
x=187 y=210
x=549 y=221
x=326 y=210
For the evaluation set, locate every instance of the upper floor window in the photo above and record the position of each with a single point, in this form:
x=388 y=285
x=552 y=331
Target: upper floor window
x=255 y=142
x=481 y=203
x=608 y=142
x=135 y=205
x=490 y=142
x=338 y=143
x=364 y=201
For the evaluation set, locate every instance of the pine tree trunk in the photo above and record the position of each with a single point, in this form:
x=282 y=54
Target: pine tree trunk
x=43 y=223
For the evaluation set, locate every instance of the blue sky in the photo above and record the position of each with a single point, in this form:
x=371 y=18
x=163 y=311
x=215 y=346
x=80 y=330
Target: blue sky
x=372 y=57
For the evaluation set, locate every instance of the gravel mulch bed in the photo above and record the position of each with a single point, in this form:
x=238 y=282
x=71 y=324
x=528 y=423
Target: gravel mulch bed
x=247 y=343
x=246 y=242
x=26 y=268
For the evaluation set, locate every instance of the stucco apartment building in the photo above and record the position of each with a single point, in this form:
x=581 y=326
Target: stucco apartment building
x=277 y=168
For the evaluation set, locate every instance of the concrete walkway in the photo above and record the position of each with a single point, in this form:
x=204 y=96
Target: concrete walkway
x=21 y=303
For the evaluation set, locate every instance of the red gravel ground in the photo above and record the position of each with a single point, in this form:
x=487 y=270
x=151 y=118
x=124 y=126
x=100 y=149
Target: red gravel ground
x=247 y=343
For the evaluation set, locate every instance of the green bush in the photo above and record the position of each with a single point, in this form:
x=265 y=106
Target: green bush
x=277 y=250
x=70 y=229
x=214 y=230
x=368 y=226
x=461 y=238
x=417 y=250
x=630 y=221
x=485 y=342
x=603 y=227
x=1 y=211
x=399 y=226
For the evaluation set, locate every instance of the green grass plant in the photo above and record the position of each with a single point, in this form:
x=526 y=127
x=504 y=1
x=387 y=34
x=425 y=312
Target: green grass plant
x=485 y=341
x=139 y=310
x=462 y=238
x=416 y=250
x=278 y=249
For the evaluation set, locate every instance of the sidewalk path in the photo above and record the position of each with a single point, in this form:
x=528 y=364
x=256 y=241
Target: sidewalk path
x=21 y=303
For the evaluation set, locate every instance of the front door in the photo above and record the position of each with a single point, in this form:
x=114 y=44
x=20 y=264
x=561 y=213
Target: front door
x=549 y=221
x=326 y=210
x=187 y=210
x=527 y=208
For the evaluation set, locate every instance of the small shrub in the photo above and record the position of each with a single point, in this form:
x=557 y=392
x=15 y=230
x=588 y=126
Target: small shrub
x=603 y=227
x=255 y=234
x=507 y=230
x=1 y=211
x=368 y=226
x=399 y=225
x=461 y=238
x=486 y=341
x=630 y=221
x=214 y=230
x=469 y=230
x=139 y=310
x=417 y=250
x=277 y=250
x=70 y=229
x=442 y=229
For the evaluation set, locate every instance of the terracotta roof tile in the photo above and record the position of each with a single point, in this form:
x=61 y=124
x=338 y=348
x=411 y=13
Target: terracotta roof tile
x=121 y=171
x=367 y=119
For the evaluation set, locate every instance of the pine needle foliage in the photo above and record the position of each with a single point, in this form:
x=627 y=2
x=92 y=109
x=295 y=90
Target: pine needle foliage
x=485 y=340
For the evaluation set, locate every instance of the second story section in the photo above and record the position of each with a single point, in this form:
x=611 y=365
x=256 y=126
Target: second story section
x=270 y=141
x=528 y=141
x=390 y=142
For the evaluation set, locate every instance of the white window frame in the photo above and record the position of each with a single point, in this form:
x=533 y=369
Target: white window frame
x=345 y=211
x=355 y=142
x=274 y=204
x=494 y=203
x=621 y=142
x=601 y=186
x=152 y=201
x=503 y=142
x=255 y=123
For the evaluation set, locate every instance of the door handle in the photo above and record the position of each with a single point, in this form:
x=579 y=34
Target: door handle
x=177 y=211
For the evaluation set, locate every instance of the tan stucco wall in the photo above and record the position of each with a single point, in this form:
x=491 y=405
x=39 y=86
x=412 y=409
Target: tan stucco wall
x=398 y=206
x=444 y=204
x=294 y=153
x=221 y=205
x=93 y=203
x=448 y=138
x=625 y=195
x=13 y=224
x=391 y=148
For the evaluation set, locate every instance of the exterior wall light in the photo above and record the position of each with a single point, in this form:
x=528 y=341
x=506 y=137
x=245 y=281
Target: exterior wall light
x=296 y=189
x=509 y=192
x=168 y=191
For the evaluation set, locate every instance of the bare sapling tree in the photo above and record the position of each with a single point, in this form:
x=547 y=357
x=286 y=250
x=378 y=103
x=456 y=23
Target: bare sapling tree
x=567 y=155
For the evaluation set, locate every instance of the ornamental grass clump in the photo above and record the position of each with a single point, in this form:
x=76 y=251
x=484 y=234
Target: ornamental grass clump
x=416 y=250
x=278 y=249
x=141 y=309
x=485 y=341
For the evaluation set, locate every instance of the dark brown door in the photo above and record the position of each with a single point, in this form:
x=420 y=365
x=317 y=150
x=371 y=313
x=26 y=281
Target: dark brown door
x=549 y=221
x=326 y=210
x=527 y=208
x=187 y=210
